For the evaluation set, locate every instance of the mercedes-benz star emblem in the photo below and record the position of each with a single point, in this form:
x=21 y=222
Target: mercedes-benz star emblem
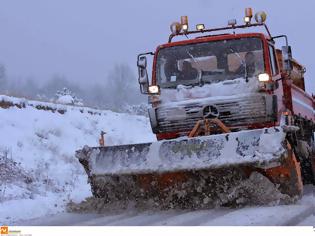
x=210 y=111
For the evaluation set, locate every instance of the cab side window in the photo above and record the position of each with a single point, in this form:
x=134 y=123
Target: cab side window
x=273 y=61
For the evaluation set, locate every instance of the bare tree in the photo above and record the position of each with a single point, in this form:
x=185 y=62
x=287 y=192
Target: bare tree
x=3 y=78
x=122 y=87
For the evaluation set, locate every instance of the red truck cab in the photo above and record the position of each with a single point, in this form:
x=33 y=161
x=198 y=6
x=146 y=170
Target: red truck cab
x=241 y=79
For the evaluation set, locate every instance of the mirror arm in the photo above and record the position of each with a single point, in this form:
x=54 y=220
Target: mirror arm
x=282 y=36
x=288 y=51
x=144 y=54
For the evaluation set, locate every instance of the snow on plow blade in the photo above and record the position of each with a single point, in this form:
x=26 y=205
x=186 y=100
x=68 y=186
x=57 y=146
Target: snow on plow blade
x=185 y=168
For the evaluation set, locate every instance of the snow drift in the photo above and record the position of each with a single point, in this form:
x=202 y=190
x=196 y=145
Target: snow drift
x=39 y=173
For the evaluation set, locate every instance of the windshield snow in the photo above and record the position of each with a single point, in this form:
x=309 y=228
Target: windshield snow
x=209 y=62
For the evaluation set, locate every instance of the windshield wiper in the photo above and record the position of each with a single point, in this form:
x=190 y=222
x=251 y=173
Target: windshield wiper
x=196 y=62
x=243 y=62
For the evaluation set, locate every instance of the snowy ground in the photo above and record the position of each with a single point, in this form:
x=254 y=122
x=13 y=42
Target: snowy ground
x=39 y=174
x=38 y=171
x=302 y=213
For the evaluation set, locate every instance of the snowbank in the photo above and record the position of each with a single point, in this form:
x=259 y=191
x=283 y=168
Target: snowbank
x=66 y=99
x=8 y=101
x=40 y=174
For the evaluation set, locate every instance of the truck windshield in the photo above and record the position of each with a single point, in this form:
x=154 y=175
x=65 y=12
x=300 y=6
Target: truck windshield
x=209 y=62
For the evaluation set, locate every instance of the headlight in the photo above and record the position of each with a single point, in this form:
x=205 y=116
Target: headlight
x=232 y=22
x=200 y=27
x=175 y=28
x=260 y=17
x=185 y=28
x=154 y=89
x=247 y=19
x=263 y=77
x=184 y=23
x=248 y=15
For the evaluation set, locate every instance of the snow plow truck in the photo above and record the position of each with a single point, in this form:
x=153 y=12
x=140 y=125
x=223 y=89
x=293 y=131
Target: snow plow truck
x=233 y=123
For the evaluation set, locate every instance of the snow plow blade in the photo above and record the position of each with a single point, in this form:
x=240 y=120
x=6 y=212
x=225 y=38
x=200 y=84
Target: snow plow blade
x=196 y=172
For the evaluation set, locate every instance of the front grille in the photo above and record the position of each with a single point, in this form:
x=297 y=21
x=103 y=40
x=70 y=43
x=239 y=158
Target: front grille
x=233 y=111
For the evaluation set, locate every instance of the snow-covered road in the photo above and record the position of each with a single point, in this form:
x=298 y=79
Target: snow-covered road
x=301 y=213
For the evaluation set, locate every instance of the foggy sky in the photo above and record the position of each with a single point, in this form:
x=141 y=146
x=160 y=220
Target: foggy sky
x=83 y=39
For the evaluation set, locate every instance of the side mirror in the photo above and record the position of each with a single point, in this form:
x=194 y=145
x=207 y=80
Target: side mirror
x=143 y=74
x=142 y=62
x=287 y=58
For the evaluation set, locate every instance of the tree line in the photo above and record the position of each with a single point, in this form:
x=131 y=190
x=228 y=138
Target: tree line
x=118 y=89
